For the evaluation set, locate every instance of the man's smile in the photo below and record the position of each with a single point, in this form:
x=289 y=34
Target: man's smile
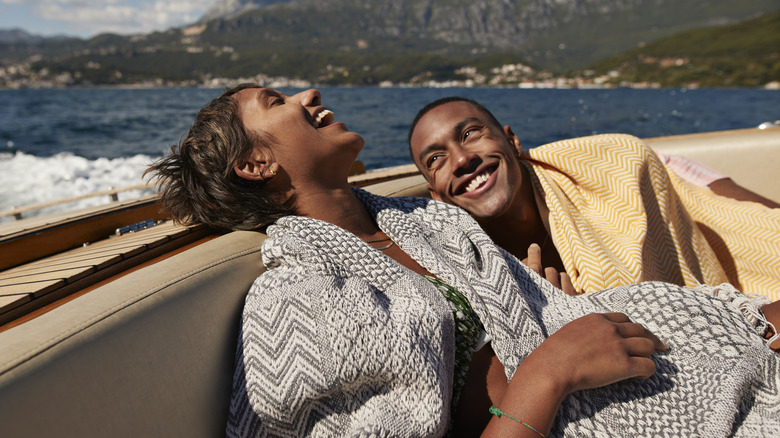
x=478 y=182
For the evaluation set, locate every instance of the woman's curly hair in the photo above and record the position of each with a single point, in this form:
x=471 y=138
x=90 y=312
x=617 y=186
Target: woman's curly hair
x=197 y=181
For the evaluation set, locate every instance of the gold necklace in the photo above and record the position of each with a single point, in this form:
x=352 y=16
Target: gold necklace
x=384 y=239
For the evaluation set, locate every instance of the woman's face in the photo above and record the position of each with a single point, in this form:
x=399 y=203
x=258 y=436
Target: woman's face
x=303 y=136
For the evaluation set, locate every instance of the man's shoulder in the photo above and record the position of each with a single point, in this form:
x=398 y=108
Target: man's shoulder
x=596 y=141
x=601 y=147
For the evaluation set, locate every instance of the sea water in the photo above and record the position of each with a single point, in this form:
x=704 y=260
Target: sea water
x=61 y=143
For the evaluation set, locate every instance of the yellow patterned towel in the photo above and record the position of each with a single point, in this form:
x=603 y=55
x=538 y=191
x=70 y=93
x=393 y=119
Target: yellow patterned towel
x=618 y=217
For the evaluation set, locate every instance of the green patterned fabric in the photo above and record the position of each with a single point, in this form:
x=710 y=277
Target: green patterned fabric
x=468 y=330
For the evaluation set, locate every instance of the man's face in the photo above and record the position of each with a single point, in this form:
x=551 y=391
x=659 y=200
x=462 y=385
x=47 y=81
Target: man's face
x=467 y=159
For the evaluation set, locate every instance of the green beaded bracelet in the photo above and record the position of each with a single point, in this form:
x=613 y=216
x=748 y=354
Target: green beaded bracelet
x=498 y=413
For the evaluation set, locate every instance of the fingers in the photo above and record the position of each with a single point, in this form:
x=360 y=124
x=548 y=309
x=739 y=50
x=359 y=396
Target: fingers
x=561 y=281
x=551 y=274
x=658 y=344
x=643 y=367
x=534 y=262
x=616 y=317
x=534 y=259
x=599 y=349
x=629 y=329
x=566 y=285
x=633 y=348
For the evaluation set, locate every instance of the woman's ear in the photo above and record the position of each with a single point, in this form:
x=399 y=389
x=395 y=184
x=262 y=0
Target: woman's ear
x=254 y=166
x=254 y=170
x=249 y=169
x=513 y=140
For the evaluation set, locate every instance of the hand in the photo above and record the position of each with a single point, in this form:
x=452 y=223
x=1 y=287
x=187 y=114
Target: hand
x=597 y=350
x=534 y=262
x=589 y=352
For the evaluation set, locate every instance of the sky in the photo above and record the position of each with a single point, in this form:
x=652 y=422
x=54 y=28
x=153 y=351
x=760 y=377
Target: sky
x=87 y=18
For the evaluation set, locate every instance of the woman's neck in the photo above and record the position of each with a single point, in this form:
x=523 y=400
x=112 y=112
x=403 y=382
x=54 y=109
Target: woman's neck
x=342 y=207
x=339 y=206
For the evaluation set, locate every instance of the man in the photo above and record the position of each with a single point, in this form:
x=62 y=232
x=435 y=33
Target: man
x=603 y=209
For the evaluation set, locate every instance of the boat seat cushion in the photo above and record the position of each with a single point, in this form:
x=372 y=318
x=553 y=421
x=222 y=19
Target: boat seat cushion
x=150 y=354
x=408 y=186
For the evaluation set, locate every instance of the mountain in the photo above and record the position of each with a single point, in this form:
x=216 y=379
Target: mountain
x=742 y=54
x=16 y=36
x=488 y=42
x=223 y=9
x=552 y=34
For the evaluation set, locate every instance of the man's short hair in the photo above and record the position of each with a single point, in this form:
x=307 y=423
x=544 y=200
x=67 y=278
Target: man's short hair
x=439 y=102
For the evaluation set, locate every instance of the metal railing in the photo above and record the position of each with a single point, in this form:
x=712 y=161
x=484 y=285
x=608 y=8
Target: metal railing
x=112 y=193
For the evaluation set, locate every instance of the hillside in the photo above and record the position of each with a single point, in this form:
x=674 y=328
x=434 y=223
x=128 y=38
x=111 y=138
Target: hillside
x=556 y=35
x=487 y=42
x=742 y=54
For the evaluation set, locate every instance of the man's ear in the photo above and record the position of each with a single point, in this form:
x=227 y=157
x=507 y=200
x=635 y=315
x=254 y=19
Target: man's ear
x=513 y=140
x=435 y=196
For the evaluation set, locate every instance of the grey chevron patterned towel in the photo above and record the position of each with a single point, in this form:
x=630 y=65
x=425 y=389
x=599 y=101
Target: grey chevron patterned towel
x=339 y=340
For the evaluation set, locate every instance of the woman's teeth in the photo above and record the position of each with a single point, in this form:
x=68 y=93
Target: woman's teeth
x=324 y=117
x=476 y=182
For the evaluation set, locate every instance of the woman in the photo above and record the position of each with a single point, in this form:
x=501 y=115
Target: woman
x=398 y=316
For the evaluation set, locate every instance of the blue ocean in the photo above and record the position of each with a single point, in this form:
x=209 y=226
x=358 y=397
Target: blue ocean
x=60 y=143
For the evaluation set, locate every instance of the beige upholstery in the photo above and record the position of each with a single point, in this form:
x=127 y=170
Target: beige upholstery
x=751 y=157
x=407 y=186
x=148 y=355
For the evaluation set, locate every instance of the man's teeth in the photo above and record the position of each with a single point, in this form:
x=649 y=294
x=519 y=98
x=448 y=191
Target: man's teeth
x=476 y=182
x=325 y=115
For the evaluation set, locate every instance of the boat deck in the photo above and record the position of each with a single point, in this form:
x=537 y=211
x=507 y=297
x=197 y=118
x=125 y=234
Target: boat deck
x=32 y=286
x=43 y=259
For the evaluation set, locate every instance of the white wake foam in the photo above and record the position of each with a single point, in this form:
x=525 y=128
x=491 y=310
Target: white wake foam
x=27 y=179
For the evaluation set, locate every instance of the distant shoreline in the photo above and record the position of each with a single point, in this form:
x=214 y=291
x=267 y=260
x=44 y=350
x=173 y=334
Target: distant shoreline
x=772 y=86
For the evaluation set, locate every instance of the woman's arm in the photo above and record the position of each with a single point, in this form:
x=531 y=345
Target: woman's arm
x=704 y=176
x=730 y=189
x=589 y=352
x=772 y=313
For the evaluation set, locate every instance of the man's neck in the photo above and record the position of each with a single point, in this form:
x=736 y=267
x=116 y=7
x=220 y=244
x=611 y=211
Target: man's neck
x=517 y=230
x=524 y=223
